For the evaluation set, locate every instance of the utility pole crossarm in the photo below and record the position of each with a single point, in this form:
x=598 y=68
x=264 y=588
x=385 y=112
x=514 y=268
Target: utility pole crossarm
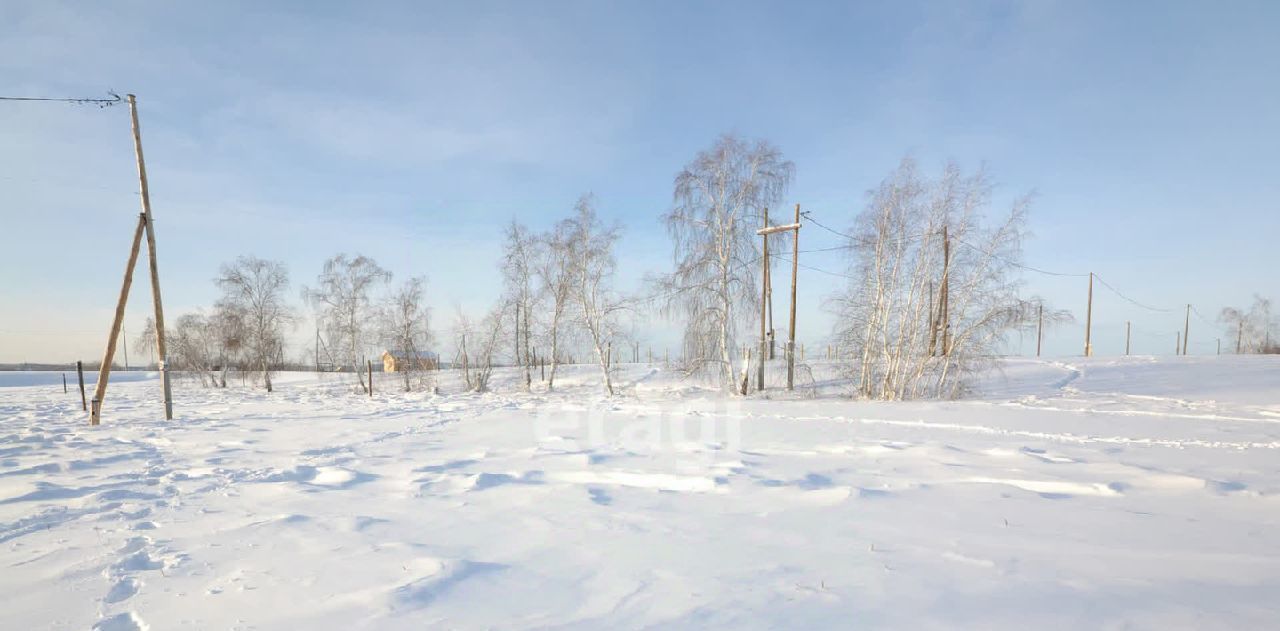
x=783 y=228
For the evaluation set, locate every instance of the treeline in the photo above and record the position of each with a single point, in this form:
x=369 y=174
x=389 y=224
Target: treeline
x=1251 y=328
x=558 y=295
x=933 y=290
x=247 y=327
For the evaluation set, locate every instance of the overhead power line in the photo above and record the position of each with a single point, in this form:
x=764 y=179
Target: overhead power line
x=1201 y=316
x=806 y=215
x=114 y=99
x=1131 y=300
x=1015 y=263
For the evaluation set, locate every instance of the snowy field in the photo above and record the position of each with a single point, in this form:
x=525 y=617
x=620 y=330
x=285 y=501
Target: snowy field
x=1137 y=493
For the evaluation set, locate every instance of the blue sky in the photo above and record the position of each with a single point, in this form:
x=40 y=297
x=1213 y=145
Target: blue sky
x=411 y=132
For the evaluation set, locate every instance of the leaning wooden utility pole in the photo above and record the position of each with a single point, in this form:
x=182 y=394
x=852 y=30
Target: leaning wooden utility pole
x=1186 y=330
x=1088 y=320
x=151 y=256
x=145 y=224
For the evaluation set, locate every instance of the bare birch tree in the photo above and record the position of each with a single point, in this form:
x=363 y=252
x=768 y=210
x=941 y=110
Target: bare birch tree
x=555 y=275
x=406 y=327
x=344 y=307
x=719 y=201
x=478 y=343
x=1037 y=312
x=145 y=342
x=518 y=261
x=932 y=291
x=593 y=266
x=253 y=293
x=192 y=347
x=229 y=329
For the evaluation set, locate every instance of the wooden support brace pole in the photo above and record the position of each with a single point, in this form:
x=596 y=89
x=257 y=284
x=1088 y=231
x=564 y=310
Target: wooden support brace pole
x=104 y=371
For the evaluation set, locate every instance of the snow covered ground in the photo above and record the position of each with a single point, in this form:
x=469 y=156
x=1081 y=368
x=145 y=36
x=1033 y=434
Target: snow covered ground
x=1104 y=493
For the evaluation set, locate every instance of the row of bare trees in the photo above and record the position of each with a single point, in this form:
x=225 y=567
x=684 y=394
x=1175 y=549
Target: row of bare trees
x=1251 y=328
x=558 y=294
x=932 y=290
x=248 y=326
x=356 y=318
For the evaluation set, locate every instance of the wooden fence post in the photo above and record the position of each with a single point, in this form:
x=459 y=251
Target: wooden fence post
x=80 y=372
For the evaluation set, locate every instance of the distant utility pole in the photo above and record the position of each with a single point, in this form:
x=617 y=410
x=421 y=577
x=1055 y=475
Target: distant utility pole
x=945 y=305
x=1239 y=335
x=1177 y=344
x=1088 y=320
x=795 y=266
x=764 y=303
x=1039 y=327
x=145 y=224
x=768 y=290
x=933 y=325
x=1126 y=337
x=1219 y=346
x=791 y=335
x=1186 y=330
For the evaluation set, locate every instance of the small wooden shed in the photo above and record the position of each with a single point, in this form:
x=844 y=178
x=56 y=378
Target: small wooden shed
x=400 y=361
